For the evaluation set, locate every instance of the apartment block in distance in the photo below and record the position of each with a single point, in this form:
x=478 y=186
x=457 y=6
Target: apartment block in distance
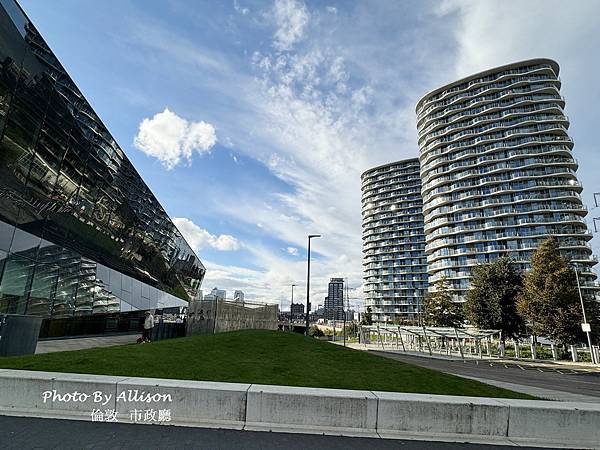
x=498 y=175
x=394 y=262
x=334 y=302
x=83 y=241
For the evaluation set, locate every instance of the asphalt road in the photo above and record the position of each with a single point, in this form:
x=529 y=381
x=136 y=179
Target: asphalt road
x=34 y=433
x=556 y=378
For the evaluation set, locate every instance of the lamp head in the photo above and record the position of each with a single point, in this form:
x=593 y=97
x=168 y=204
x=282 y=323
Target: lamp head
x=310 y=236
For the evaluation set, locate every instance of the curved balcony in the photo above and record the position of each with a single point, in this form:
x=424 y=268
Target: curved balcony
x=500 y=135
x=494 y=117
x=438 y=157
x=487 y=158
x=514 y=103
x=548 y=88
x=483 y=91
x=477 y=80
x=513 y=166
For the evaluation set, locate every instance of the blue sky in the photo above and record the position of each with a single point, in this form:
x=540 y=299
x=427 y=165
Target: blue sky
x=251 y=121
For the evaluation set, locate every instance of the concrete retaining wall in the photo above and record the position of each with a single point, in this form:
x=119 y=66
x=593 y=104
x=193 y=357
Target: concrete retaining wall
x=296 y=409
x=219 y=316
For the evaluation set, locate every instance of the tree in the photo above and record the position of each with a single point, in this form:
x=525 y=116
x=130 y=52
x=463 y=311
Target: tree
x=492 y=300
x=367 y=318
x=440 y=310
x=550 y=298
x=315 y=331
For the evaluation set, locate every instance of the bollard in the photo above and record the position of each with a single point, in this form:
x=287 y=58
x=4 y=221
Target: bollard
x=573 y=353
x=517 y=350
x=533 y=349
x=554 y=352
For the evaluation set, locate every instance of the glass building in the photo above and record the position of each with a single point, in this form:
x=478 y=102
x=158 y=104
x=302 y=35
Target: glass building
x=498 y=173
x=334 y=302
x=80 y=232
x=394 y=262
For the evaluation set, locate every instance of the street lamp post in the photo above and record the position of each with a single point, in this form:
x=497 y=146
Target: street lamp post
x=310 y=236
x=344 y=310
x=587 y=330
x=292 y=305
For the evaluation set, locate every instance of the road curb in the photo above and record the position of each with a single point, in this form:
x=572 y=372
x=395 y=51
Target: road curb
x=304 y=410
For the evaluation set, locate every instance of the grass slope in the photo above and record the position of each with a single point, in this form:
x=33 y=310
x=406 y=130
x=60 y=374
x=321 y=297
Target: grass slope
x=262 y=357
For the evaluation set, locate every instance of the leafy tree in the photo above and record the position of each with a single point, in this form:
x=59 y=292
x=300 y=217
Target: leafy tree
x=550 y=299
x=315 y=331
x=351 y=329
x=492 y=300
x=367 y=317
x=440 y=310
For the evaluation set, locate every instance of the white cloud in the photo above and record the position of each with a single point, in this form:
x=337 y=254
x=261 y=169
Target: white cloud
x=291 y=18
x=330 y=103
x=225 y=243
x=170 y=138
x=243 y=11
x=293 y=251
x=199 y=238
x=322 y=113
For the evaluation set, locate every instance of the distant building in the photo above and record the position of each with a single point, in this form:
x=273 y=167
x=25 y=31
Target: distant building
x=238 y=296
x=216 y=294
x=394 y=261
x=317 y=314
x=350 y=315
x=334 y=302
x=297 y=310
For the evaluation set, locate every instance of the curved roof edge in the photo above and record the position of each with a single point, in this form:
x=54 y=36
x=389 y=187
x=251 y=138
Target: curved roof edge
x=389 y=164
x=552 y=62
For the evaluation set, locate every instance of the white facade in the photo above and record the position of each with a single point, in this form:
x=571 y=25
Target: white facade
x=498 y=172
x=394 y=264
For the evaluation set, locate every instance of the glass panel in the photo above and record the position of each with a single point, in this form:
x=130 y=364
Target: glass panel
x=87 y=285
x=6 y=234
x=126 y=283
x=16 y=282
x=11 y=54
x=3 y=256
x=42 y=290
x=68 y=281
x=25 y=244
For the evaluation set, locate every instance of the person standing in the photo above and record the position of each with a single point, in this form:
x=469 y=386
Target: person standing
x=148 y=326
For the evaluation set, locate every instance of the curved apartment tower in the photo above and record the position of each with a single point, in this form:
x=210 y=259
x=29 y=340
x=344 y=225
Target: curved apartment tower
x=498 y=173
x=394 y=265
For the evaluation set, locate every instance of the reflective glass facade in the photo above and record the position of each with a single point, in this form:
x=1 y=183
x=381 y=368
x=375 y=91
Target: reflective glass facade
x=394 y=262
x=498 y=173
x=80 y=232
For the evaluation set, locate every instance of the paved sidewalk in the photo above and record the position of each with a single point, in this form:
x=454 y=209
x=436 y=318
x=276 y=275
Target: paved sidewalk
x=548 y=394
x=538 y=380
x=62 y=345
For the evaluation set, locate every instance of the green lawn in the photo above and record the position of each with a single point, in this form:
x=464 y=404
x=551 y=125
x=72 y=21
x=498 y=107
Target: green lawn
x=258 y=356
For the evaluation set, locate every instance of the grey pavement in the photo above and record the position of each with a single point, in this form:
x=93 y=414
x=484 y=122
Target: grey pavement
x=536 y=379
x=35 y=433
x=61 y=345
